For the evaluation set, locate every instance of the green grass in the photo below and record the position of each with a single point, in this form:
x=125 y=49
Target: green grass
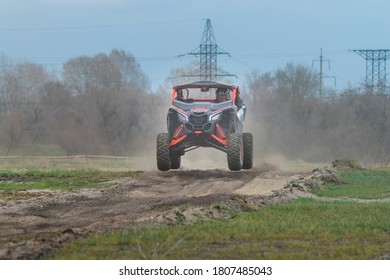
x=82 y=162
x=365 y=184
x=57 y=179
x=303 y=229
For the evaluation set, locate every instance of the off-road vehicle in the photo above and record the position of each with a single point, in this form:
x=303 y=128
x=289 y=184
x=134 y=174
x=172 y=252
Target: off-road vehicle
x=205 y=114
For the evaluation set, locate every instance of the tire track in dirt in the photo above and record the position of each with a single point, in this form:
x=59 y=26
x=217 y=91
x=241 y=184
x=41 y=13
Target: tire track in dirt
x=31 y=228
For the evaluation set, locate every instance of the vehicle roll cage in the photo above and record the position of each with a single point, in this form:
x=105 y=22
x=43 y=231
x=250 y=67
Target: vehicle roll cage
x=235 y=91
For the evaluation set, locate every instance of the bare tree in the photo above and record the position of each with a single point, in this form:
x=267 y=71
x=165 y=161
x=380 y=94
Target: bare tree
x=111 y=89
x=21 y=89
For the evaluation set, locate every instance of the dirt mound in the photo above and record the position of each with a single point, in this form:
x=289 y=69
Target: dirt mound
x=316 y=179
x=223 y=210
x=270 y=188
x=346 y=164
x=40 y=245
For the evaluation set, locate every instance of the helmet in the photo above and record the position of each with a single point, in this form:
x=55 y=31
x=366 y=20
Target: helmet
x=222 y=92
x=179 y=93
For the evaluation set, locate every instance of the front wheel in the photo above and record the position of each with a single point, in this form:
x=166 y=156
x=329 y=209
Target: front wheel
x=235 y=152
x=247 y=139
x=163 y=152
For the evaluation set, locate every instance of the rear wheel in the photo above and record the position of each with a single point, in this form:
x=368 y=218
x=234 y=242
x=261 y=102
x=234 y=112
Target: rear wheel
x=235 y=152
x=175 y=162
x=247 y=139
x=163 y=152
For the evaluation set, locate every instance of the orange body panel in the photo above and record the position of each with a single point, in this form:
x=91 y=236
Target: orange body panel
x=222 y=141
x=175 y=141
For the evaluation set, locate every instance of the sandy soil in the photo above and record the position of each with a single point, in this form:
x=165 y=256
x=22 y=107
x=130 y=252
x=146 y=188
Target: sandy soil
x=45 y=220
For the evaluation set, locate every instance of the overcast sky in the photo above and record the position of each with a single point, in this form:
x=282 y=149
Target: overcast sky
x=260 y=35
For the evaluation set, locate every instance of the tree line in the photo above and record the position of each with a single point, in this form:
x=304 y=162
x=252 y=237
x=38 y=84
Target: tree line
x=289 y=117
x=103 y=104
x=98 y=105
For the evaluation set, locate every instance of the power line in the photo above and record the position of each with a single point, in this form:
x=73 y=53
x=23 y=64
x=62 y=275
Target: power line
x=237 y=57
x=97 y=26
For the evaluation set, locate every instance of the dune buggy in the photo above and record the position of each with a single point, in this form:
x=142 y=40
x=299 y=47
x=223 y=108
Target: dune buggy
x=205 y=114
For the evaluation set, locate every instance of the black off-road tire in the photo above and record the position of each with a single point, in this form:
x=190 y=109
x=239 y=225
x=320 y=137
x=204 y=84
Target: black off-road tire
x=247 y=139
x=235 y=152
x=175 y=162
x=163 y=152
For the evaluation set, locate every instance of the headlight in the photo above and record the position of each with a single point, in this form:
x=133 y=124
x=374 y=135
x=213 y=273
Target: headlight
x=215 y=117
x=182 y=118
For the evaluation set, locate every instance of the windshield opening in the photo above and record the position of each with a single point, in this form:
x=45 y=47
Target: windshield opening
x=204 y=93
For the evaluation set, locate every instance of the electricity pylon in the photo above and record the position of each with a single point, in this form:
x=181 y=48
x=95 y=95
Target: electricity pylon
x=208 y=52
x=375 y=69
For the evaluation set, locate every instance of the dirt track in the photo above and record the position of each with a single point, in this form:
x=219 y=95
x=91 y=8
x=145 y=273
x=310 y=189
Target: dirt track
x=47 y=219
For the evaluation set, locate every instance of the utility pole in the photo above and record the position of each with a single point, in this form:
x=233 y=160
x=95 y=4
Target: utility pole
x=208 y=51
x=375 y=69
x=321 y=74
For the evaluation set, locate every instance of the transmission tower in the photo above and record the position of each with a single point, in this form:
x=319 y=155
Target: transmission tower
x=375 y=69
x=208 y=52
